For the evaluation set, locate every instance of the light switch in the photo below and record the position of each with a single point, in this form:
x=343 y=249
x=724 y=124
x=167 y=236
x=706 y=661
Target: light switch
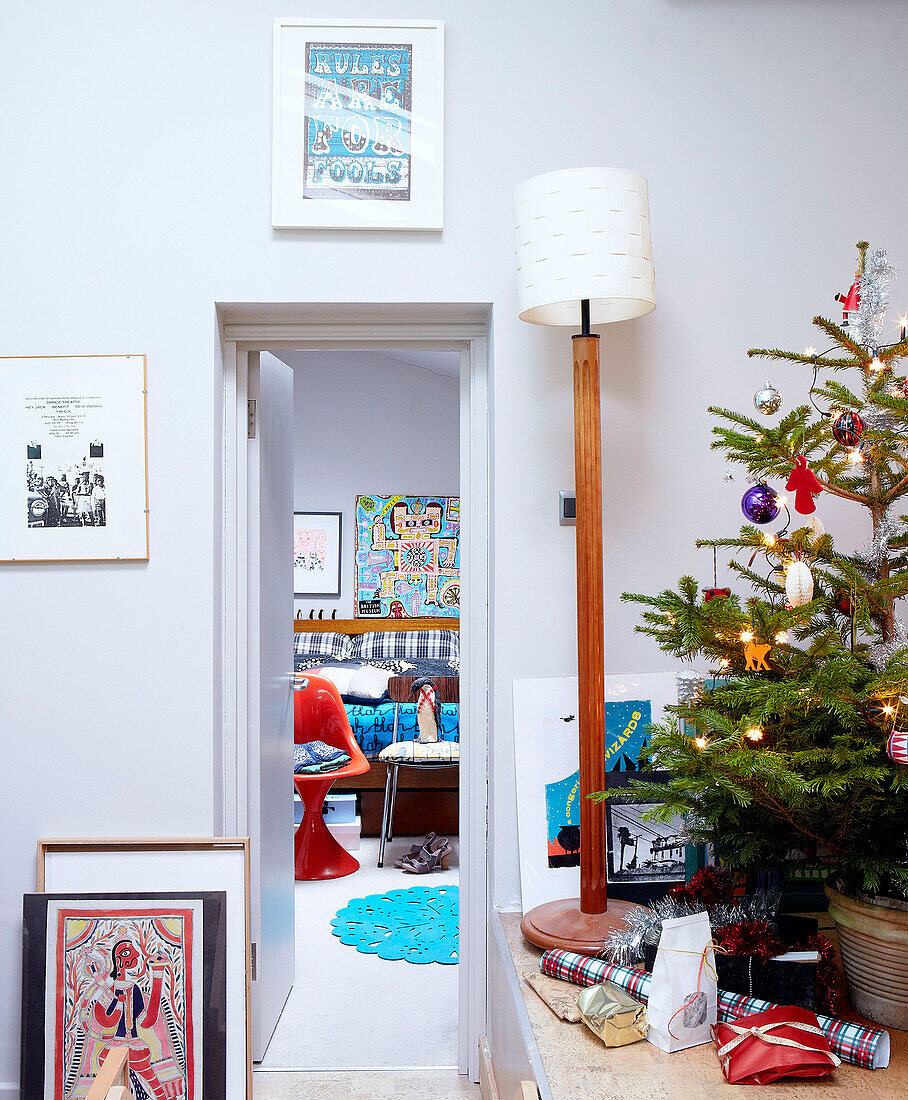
x=567 y=508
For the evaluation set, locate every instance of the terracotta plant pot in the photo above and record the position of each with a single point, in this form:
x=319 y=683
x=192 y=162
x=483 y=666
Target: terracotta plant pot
x=873 y=943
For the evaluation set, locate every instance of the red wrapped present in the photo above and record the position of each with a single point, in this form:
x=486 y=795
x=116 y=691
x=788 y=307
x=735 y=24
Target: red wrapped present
x=782 y=1042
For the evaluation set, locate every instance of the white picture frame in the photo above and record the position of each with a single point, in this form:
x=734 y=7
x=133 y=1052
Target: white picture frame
x=74 y=866
x=73 y=458
x=317 y=546
x=547 y=753
x=358 y=124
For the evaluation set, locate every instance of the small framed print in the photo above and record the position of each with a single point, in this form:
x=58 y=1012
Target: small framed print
x=73 y=481
x=645 y=857
x=358 y=124
x=317 y=554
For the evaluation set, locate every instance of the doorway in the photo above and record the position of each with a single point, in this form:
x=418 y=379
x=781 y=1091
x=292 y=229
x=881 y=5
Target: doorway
x=245 y=765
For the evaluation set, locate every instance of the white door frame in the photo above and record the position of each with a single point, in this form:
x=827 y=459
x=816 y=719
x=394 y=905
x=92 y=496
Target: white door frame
x=463 y=327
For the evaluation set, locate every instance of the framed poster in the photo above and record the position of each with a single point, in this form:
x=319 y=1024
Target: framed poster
x=407 y=557
x=644 y=858
x=159 y=864
x=73 y=481
x=317 y=554
x=548 y=778
x=145 y=972
x=358 y=124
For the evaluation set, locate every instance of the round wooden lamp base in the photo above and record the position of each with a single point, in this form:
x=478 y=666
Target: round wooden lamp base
x=561 y=924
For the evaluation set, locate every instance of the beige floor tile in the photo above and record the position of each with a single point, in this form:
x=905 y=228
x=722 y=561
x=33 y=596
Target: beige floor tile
x=364 y=1085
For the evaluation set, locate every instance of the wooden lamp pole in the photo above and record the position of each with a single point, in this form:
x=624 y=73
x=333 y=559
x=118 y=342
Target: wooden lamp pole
x=584 y=924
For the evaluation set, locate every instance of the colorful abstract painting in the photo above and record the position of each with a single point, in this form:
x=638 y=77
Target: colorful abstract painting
x=407 y=557
x=124 y=978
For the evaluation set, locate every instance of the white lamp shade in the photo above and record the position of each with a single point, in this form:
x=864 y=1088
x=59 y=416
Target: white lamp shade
x=583 y=233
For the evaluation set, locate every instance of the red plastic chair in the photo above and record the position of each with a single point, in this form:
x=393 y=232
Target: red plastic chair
x=319 y=715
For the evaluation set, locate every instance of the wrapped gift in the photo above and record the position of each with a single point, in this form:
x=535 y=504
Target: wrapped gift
x=756 y=960
x=612 y=1014
x=785 y=1041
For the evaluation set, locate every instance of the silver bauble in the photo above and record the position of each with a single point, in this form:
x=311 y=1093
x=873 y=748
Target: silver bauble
x=768 y=399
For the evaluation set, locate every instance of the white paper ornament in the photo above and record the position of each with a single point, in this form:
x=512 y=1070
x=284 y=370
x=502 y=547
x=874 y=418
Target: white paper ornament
x=798 y=584
x=816 y=527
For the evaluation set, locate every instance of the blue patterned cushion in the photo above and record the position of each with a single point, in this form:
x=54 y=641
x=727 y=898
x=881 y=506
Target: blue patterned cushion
x=373 y=726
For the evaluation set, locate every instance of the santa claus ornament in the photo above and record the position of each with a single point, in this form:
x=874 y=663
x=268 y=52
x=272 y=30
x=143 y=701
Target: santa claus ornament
x=803 y=483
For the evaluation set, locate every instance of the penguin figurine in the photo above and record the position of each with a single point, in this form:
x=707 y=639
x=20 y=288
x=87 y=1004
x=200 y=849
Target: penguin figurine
x=428 y=710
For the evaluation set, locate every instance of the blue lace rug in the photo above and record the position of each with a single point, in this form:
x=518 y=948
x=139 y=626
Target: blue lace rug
x=417 y=925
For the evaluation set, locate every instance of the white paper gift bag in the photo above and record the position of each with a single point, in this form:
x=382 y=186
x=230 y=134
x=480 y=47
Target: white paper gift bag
x=682 y=993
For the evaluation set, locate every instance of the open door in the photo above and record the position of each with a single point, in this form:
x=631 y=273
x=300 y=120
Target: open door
x=270 y=689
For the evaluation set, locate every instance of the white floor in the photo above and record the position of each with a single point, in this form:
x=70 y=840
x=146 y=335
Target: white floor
x=353 y=1011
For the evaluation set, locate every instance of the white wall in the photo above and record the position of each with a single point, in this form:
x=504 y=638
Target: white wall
x=370 y=423
x=136 y=193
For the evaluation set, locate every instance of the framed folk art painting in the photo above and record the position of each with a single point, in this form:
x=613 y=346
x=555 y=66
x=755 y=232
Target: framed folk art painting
x=317 y=554
x=113 y=971
x=358 y=124
x=73 y=484
x=145 y=867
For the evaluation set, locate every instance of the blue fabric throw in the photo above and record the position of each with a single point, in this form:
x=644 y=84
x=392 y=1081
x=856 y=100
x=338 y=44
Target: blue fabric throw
x=316 y=756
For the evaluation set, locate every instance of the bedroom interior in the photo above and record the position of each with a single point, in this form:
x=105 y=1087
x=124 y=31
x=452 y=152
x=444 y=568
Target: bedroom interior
x=381 y=815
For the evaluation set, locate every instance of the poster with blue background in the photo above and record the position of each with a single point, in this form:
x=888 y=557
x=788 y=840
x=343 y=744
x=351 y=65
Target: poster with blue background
x=625 y=735
x=357 y=121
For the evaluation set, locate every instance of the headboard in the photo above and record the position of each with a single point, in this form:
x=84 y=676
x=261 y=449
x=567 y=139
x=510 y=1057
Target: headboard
x=367 y=626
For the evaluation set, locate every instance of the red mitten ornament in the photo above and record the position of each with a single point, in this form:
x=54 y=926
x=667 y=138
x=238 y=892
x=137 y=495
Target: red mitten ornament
x=805 y=486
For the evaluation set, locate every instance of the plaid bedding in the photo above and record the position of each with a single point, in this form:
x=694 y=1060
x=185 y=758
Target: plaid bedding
x=867 y=1047
x=339 y=647
x=439 y=645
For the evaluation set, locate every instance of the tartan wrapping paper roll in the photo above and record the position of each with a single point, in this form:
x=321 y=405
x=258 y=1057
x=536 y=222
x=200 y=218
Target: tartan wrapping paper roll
x=867 y=1047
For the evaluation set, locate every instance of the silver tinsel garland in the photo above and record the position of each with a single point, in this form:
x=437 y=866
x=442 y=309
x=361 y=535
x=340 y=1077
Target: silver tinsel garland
x=689 y=685
x=875 y=552
x=625 y=946
x=865 y=324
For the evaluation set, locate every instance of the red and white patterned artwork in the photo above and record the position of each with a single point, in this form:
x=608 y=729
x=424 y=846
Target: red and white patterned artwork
x=124 y=978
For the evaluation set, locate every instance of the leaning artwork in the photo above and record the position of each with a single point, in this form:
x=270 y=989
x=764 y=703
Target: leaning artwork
x=123 y=980
x=407 y=557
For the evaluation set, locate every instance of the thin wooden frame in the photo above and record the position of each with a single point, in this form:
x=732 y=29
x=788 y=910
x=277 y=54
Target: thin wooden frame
x=335 y=594
x=423 y=208
x=47 y=846
x=56 y=560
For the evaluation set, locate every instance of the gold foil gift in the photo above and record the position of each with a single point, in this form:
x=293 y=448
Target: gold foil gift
x=612 y=1014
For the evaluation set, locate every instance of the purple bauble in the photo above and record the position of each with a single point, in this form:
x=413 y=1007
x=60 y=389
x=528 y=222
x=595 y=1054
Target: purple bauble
x=760 y=504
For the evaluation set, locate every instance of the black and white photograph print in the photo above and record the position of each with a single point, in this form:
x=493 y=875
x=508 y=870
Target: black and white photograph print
x=72 y=433
x=74 y=496
x=641 y=851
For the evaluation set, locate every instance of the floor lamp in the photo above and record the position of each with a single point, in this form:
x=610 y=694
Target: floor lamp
x=584 y=257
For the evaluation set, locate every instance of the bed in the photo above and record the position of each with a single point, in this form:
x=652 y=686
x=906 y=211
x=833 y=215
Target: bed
x=360 y=656
x=341 y=648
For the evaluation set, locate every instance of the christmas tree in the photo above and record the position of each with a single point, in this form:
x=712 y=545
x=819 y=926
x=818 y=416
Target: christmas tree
x=784 y=749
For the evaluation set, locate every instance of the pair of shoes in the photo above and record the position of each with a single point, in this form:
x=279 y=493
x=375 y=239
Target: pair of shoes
x=415 y=850
x=431 y=857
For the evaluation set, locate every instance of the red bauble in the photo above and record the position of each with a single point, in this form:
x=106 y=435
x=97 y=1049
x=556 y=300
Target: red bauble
x=843 y=603
x=714 y=593
x=847 y=429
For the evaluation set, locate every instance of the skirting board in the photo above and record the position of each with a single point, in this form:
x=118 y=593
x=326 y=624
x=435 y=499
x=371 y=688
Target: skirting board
x=9 y=1090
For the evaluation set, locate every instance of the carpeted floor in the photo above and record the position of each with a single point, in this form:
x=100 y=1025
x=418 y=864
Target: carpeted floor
x=353 y=1011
